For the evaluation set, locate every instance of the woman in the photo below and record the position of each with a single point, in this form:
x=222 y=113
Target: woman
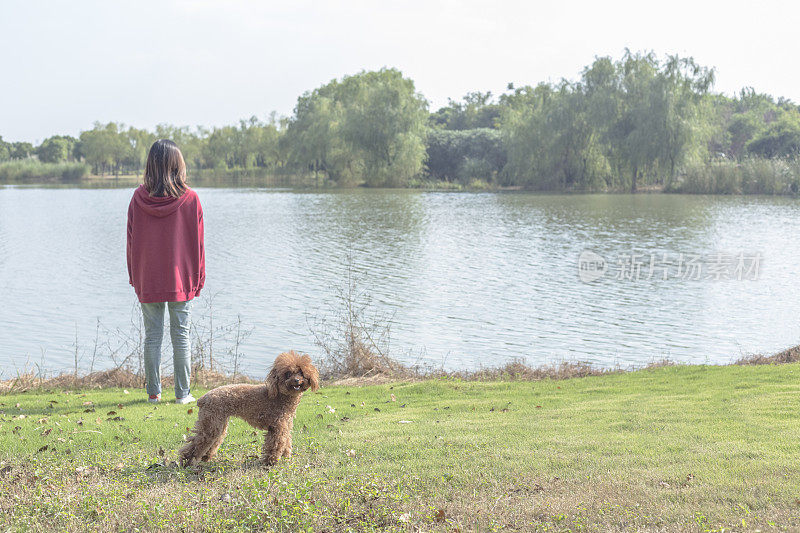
x=166 y=262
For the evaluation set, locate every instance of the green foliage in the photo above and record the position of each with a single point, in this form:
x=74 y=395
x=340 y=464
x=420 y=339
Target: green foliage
x=478 y=110
x=780 y=139
x=137 y=145
x=752 y=124
x=104 y=147
x=463 y=155
x=5 y=150
x=56 y=149
x=253 y=144
x=367 y=128
x=623 y=123
x=20 y=150
x=551 y=143
x=312 y=140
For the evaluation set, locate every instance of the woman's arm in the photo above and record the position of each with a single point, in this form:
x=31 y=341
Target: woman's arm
x=201 y=237
x=130 y=238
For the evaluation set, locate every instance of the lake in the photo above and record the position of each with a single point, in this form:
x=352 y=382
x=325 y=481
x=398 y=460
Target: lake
x=465 y=279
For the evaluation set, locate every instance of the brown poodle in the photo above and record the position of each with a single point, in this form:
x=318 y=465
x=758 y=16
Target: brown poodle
x=270 y=407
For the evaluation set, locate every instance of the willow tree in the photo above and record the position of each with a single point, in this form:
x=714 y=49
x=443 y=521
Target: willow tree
x=190 y=142
x=5 y=150
x=104 y=147
x=367 y=128
x=550 y=140
x=313 y=137
x=682 y=84
x=639 y=131
x=646 y=113
x=139 y=143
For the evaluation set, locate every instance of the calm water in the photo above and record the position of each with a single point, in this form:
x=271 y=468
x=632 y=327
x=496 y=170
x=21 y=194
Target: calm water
x=468 y=279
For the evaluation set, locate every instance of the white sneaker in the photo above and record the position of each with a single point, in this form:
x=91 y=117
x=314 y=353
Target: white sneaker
x=154 y=398
x=185 y=399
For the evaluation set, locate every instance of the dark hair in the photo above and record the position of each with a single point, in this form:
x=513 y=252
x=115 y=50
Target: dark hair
x=165 y=172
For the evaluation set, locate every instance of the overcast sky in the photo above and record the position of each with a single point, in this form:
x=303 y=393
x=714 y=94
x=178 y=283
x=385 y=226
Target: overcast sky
x=67 y=64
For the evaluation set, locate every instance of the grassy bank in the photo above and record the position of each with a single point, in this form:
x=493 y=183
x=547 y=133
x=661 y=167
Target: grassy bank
x=32 y=171
x=750 y=176
x=675 y=448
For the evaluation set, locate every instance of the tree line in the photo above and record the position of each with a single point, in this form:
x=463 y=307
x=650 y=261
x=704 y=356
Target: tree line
x=623 y=124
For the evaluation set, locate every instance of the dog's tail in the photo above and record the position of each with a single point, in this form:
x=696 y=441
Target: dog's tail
x=187 y=452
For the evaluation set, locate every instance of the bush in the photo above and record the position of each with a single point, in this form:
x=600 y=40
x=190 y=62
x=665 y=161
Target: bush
x=473 y=169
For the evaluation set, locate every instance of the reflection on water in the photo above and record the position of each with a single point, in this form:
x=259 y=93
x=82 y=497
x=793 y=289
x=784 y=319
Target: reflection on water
x=469 y=279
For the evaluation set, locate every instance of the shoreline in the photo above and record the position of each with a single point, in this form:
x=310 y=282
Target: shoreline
x=388 y=371
x=282 y=182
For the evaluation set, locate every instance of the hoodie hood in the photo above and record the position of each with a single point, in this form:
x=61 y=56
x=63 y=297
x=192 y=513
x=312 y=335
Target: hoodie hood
x=158 y=206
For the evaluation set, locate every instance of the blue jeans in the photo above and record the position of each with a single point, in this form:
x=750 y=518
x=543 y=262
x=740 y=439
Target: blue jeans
x=179 y=326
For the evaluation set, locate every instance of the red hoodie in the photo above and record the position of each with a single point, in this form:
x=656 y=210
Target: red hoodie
x=166 y=255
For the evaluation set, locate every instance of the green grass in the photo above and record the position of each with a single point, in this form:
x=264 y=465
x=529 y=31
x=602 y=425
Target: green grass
x=686 y=448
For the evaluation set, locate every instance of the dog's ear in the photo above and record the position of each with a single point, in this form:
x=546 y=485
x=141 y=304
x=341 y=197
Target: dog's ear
x=310 y=372
x=272 y=383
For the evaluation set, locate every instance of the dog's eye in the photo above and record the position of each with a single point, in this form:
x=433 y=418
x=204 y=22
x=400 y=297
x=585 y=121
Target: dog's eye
x=287 y=374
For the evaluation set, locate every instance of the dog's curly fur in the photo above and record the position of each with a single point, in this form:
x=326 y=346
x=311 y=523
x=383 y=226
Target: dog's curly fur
x=270 y=407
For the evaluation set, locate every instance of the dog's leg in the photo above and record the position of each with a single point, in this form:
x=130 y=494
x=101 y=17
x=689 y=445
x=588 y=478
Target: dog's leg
x=273 y=445
x=287 y=448
x=212 y=451
x=208 y=432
